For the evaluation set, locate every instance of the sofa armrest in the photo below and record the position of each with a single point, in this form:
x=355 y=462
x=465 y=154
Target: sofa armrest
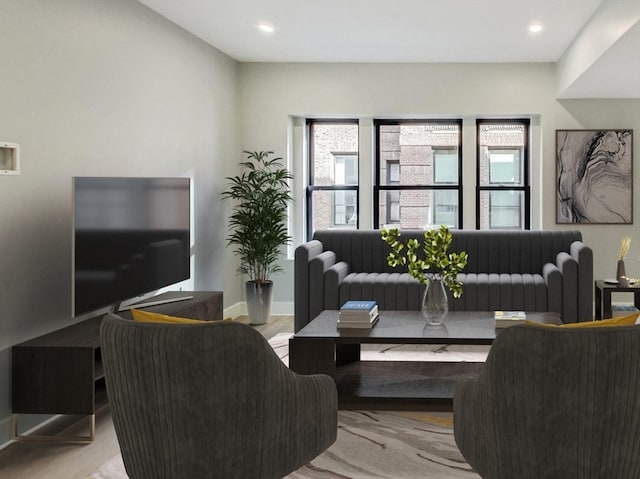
x=332 y=280
x=583 y=255
x=553 y=280
x=303 y=256
x=569 y=269
x=318 y=266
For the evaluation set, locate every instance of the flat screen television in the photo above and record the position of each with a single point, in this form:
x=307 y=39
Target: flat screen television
x=131 y=236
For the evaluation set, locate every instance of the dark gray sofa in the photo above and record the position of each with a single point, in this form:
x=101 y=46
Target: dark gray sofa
x=508 y=270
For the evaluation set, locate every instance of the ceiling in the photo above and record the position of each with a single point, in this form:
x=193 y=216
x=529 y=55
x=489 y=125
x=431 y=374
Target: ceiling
x=393 y=31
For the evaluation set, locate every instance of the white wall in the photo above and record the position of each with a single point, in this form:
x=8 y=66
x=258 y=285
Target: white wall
x=101 y=88
x=110 y=88
x=270 y=93
x=599 y=49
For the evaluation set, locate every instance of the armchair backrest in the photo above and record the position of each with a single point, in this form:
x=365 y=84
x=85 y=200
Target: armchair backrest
x=554 y=402
x=208 y=400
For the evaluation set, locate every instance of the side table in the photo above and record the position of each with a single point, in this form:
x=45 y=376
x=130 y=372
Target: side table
x=603 y=292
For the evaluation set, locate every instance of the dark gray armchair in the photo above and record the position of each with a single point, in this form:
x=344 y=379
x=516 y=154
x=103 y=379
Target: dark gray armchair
x=211 y=400
x=554 y=403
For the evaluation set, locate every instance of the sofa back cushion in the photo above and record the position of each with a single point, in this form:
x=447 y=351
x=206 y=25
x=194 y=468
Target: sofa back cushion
x=489 y=251
x=512 y=251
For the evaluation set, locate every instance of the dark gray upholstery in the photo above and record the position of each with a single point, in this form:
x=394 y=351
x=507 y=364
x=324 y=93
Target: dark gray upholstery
x=509 y=270
x=554 y=403
x=211 y=400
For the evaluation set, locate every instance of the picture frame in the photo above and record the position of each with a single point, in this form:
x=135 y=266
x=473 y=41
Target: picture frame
x=594 y=176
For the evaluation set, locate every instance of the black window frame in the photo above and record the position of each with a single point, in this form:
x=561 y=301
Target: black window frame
x=311 y=187
x=526 y=182
x=378 y=187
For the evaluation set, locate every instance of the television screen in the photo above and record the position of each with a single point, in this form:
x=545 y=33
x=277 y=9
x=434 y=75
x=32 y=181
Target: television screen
x=131 y=236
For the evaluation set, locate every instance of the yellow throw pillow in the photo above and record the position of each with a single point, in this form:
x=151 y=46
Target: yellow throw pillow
x=617 y=321
x=604 y=323
x=149 y=317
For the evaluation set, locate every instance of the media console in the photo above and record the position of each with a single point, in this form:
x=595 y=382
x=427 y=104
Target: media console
x=61 y=372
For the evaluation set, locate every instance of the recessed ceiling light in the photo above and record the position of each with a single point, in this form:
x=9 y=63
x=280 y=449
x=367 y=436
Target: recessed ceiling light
x=265 y=27
x=535 y=27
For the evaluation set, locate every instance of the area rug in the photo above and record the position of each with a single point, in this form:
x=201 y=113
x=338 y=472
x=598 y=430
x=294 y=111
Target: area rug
x=379 y=444
x=374 y=445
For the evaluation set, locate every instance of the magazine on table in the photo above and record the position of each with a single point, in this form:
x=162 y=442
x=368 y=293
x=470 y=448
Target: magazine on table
x=509 y=318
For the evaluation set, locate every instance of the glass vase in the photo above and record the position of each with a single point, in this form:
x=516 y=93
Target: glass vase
x=435 y=304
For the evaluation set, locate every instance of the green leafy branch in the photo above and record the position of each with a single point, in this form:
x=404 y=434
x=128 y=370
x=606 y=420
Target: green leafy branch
x=434 y=254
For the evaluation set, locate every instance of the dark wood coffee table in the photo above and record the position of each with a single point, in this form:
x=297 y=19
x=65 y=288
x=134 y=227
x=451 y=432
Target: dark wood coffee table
x=320 y=347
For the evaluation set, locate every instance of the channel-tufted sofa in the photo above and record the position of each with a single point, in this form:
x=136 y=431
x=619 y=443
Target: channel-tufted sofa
x=507 y=270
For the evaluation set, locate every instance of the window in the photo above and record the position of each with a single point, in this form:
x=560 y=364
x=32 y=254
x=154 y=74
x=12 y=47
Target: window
x=445 y=166
x=393 y=197
x=503 y=192
x=418 y=173
x=345 y=202
x=332 y=191
x=505 y=166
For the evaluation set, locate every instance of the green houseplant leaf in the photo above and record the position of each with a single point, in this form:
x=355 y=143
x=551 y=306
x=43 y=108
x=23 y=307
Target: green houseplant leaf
x=434 y=254
x=257 y=223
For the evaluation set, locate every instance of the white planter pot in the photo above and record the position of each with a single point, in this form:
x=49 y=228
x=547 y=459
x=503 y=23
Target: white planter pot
x=259 y=298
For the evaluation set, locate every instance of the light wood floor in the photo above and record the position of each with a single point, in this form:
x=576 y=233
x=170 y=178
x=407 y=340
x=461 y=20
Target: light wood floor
x=29 y=460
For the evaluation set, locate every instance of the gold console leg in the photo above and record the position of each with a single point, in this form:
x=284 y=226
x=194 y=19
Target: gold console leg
x=55 y=438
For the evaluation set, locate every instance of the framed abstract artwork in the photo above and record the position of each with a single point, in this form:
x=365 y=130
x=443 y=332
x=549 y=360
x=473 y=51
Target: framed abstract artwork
x=594 y=170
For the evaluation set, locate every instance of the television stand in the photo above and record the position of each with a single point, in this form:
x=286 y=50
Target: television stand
x=153 y=302
x=61 y=372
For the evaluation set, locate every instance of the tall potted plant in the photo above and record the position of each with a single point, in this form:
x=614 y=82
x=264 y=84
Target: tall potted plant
x=258 y=225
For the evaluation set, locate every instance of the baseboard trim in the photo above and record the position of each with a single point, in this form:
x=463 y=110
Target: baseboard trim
x=278 y=308
x=234 y=311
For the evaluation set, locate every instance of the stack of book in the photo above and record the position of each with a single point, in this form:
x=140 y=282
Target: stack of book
x=509 y=318
x=358 y=314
